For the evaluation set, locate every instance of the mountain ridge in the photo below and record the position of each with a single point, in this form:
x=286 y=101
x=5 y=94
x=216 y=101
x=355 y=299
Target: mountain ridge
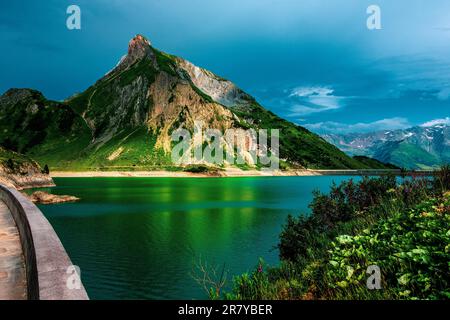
x=126 y=117
x=419 y=147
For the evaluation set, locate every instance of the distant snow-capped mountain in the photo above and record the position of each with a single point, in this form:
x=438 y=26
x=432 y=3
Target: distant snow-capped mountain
x=415 y=148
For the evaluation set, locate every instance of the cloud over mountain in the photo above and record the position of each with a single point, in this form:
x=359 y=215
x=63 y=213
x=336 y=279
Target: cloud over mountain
x=338 y=127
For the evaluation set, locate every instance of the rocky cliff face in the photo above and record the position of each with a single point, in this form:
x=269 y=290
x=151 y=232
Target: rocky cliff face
x=221 y=90
x=177 y=105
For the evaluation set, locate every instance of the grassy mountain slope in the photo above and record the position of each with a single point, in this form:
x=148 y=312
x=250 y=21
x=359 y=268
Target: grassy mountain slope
x=46 y=130
x=374 y=163
x=404 y=154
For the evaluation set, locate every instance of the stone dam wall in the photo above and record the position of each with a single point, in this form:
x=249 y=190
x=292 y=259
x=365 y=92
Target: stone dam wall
x=49 y=269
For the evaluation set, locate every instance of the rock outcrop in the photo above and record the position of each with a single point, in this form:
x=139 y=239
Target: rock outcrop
x=21 y=172
x=47 y=198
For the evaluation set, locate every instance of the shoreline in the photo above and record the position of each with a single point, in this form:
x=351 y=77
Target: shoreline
x=172 y=174
x=229 y=172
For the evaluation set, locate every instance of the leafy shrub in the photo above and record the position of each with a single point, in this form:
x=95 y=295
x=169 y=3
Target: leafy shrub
x=344 y=203
x=403 y=228
x=296 y=237
x=348 y=199
x=46 y=170
x=265 y=283
x=10 y=164
x=411 y=248
x=255 y=285
x=201 y=168
x=197 y=168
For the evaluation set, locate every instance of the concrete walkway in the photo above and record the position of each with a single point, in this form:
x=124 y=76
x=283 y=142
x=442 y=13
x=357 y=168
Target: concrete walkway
x=13 y=283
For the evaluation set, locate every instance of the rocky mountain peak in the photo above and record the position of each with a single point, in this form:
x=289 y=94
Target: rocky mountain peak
x=139 y=47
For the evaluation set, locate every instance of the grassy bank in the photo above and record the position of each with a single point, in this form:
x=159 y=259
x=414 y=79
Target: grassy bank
x=402 y=228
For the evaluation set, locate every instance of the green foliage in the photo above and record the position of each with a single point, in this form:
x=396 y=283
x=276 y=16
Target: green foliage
x=46 y=170
x=196 y=168
x=34 y=121
x=344 y=203
x=297 y=236
x=131 y=149
x=402 y=228
x=200 y=168
x=255 y=284
x=10 y=164
x=266 y=283
x=165 y=62
x=142 y=68
x=411 y=248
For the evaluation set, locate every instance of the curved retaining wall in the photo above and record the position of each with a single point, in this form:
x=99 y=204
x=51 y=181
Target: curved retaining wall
x=46 y=259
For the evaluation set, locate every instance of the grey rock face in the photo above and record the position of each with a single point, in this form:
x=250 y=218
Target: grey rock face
x=221 y=90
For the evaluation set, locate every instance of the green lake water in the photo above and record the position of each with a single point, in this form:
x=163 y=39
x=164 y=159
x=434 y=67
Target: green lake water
x=138 y=238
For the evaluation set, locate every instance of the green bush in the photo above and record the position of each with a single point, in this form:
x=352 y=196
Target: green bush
x=344 y=203
x=265 y=283
x=46 y=170
x=10 y=164
x=297 y=236
x=411 y=248
x=200 y=168
x=402 y=228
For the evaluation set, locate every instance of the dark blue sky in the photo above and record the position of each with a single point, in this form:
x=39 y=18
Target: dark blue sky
x=313 y=62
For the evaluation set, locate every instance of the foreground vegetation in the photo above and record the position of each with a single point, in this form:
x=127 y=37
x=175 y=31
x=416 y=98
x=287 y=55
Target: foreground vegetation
x=402 y=228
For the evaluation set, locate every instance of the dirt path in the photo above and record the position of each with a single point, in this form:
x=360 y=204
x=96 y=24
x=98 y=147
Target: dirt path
x=13 y=284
